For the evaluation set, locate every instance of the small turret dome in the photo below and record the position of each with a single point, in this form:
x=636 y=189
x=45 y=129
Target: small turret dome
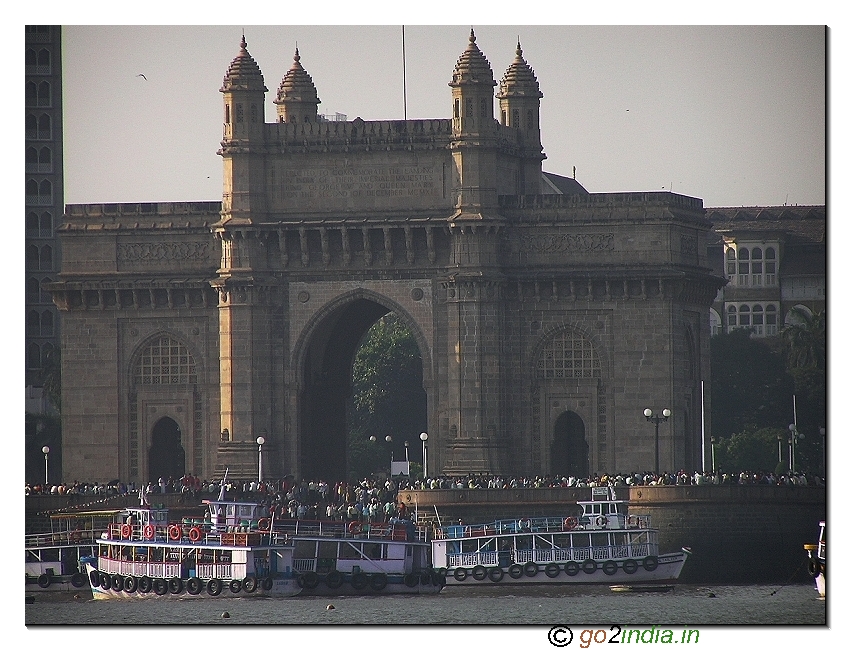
x=472 y=67
x=243 y=73
x=297 y=85
x=519 y=79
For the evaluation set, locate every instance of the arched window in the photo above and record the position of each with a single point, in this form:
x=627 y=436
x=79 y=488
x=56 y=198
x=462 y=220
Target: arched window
x=770 y=321
x=714 y=323
x=33 y=356
x=44 y=58
x=31 y=126
x=46 y=258
x=32 y=188
x=485 y=109
x=33 y=323
x=32 y=257
x=45 y=127
x=32 y=224
x=44 y=294
x=31 y=58
x=731 y=317
x=568 y=355
x=46 y=224
x=164 y=360
x=31 y=156
x=758 y=319
x=45 y=156
x=770 y=266
x=45 y=192
x=31 y=94
x=32 y=290
x=47 y=323
x=44 y=94
x=731 y=266
x=515 y=118
x=744 y=316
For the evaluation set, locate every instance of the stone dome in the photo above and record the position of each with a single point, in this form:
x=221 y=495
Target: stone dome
x=243 y=73
x=519 y=79
x=297 y=85
x=472 y=67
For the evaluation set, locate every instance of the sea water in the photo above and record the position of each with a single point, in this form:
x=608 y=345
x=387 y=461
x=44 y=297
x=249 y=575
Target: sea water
x=504 y=615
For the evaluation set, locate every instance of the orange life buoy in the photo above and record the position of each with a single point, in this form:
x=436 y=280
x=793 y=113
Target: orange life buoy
x=355 y=527
x=126 y=531
x=175 y=533
x=263 y=524
x=195 y=534
x=570 y=523
x=150 y=531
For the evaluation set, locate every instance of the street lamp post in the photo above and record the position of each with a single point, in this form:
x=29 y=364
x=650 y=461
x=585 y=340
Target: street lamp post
x=657 y=419
x=260 y=441
x=793 y=437
x=713 y=442
x=424 y=437
x=46 y=451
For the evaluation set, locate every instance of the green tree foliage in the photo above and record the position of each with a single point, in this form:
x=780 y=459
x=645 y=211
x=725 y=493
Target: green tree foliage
x=750 y=387
x=388 y=397
x=805 y=352
x=753 y=450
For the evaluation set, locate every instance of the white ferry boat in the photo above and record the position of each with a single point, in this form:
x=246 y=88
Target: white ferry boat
x=239 y=549
x=604 y=545
x=225 y=554
x=52 y=558
x=335 y=558
x=817 y=560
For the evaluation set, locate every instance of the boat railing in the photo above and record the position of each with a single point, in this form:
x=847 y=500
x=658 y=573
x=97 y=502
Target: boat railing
x=290 y=527
x=304 y=565
x=214 y=571
x=471 y=559
x=554 y=555
x=73 y=537
x=547 y=524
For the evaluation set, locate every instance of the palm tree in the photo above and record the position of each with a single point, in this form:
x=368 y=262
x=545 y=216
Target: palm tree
x=805 y=335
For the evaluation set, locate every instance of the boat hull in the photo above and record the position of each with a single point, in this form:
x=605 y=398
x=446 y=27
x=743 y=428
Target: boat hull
x=274 y=587
x=374 y=584
x=666 y=571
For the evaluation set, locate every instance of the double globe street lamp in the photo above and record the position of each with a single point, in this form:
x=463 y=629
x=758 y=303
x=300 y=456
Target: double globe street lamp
x=46 y=451
x=657 y=419
x=260 y=441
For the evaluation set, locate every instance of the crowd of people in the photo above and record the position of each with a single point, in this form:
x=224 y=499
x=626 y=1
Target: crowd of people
x=375 y=499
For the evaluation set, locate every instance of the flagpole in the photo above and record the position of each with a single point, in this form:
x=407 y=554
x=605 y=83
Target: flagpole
x=404 y=72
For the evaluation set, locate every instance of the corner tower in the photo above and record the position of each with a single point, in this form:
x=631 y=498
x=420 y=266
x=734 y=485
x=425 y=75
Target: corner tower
x=473 y=133
x=519 y=107
x=297 y=100
x=244 y=95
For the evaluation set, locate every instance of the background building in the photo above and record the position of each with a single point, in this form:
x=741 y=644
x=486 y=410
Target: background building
x=774 y=259
x=44 y=201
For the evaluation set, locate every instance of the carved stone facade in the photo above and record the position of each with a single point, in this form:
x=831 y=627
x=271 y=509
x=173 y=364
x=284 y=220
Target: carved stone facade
x=546 y=322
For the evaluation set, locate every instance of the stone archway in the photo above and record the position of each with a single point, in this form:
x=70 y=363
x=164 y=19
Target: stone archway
x=569 y=451
x=325 y=399
x=166 y=456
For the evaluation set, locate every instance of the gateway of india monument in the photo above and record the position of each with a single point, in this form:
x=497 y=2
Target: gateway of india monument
x=547 y=318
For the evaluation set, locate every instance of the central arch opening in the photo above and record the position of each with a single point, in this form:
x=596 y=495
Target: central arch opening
x=166 y=456
x=390 y=399
x=570 y=451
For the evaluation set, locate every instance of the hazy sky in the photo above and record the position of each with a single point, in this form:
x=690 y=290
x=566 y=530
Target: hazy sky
x=732 y=115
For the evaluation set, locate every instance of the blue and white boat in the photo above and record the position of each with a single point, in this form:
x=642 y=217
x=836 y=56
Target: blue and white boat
x=603 y=545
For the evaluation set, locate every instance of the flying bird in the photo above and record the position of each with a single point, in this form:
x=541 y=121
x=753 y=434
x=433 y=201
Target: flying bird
x=142 y=76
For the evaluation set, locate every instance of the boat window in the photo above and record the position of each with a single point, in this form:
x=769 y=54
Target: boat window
x=469 y=546
x=599 y=539
x=304 y=549
x=523 y=542
x=581 y=540
x=327 y=549
x=349 y=550
x=561 y=540
x=372 y=550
